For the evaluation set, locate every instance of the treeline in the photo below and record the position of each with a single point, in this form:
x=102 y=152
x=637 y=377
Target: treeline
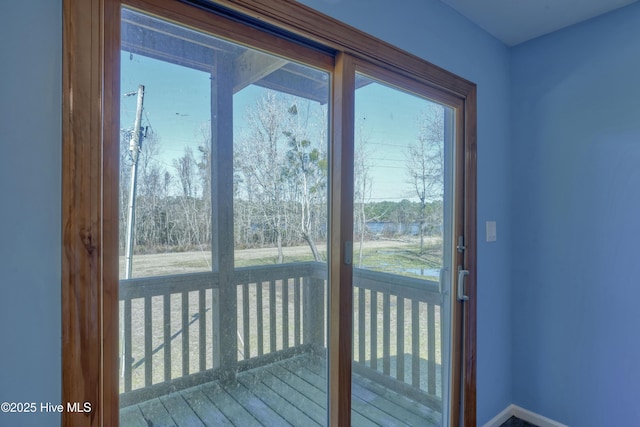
x=180 y=223
x=279 y=185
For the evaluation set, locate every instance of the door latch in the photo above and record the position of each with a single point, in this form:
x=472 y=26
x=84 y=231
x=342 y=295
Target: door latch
x=461 y=247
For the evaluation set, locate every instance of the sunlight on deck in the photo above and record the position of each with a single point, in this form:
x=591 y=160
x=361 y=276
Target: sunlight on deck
x=290 y=392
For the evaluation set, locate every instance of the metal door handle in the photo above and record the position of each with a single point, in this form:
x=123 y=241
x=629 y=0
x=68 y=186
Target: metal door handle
x=461 y=275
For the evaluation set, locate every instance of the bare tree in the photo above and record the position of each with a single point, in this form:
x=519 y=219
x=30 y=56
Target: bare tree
x=362 y=185
x=187 y=169
x=152 y=194
x=194 y=217
x=204 y=172
x=425 y=163
x=306 y=170
x=260 y=155
x=282 y=162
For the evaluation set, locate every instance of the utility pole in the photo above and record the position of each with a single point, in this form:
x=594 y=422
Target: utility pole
x=134 y=147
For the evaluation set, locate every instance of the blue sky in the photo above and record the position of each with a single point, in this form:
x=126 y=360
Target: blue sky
x=177 y=106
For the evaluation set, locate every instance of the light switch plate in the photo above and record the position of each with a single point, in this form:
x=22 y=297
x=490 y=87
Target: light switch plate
x=491 y=231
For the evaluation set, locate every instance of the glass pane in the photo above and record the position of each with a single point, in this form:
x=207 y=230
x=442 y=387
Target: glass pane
x=401 y=192
x=224 y=224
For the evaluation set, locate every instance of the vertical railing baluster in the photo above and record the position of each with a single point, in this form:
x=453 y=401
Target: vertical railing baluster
x=296 y=311
x=166 y=314
x=362 y=333
x=415 y=343
x=202 y=330
x=128 y=359
x=355 y=333
x=373 y=307
x=185 y=333
x=400 y=338
x=431 y=325
x=272 y=316
x=259 y=319
x=246 y=331
x=216 y=328
x=386 y=333
x=285 y=312
x=324 y=311
x=148 y=347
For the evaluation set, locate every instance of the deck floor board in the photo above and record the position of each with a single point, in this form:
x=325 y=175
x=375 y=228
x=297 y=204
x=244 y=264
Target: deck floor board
x=292 y=414
x=257 y=407
x=156 y=414
x=180 y=410
x=204 y=409
x=286 y=393
x=232 y=409
x=294 y=396
x=417 y=408
x=132 y=417
x=317 y=377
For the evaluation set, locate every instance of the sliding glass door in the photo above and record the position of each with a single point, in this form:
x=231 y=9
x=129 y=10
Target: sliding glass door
x=404 y=150
x=223 y=237
x=269 y=220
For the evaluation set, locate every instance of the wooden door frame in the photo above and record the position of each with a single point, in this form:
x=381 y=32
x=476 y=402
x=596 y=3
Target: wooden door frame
x=90 y=211
x=91 y=35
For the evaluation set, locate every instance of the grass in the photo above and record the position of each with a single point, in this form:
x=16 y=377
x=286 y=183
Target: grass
x=393 y=256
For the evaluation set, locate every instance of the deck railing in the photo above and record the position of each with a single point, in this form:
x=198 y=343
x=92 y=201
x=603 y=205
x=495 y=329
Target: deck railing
x=171 y=332
x=397 y=333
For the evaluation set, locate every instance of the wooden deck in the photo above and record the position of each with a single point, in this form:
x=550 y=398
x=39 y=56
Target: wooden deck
x=289 y=392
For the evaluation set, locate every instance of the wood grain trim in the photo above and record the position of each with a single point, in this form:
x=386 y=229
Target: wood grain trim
x=111 y=213
x=464 y=314
x=81 y=231
x=341 y=231
x=201 y=20
x=89 y=284
x=457 y=308
x=310 y=24
x=470 y=257
x=89 y=228
x=419 y=85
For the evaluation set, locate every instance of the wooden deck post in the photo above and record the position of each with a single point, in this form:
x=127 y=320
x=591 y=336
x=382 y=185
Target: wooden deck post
x=224 y=310
x=313 y=312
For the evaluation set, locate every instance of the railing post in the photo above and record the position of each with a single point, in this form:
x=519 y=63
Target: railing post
x=313 y=312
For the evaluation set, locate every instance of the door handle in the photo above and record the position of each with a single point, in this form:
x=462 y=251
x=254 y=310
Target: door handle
x=461 y=275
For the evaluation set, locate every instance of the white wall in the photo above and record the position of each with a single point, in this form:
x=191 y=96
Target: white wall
x=30 y=217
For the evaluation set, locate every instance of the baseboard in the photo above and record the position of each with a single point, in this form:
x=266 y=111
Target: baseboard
x=501 y=417
x=523 y=414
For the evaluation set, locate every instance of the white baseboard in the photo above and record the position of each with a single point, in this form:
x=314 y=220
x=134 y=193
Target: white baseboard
x=523 y=414
x=501 y=417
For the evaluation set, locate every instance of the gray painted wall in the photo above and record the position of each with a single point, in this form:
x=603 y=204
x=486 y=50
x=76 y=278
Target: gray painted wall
x=30 y=218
